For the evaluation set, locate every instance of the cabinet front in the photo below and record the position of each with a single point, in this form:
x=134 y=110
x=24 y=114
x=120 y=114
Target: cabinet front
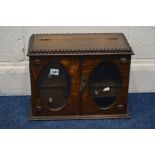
x=70 y=86
x=105 y=85
x=56 y=86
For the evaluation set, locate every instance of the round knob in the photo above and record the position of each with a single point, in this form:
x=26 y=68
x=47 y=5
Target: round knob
x=37 y=62
x=120 y=106
x=124 y=60
x=39 y=108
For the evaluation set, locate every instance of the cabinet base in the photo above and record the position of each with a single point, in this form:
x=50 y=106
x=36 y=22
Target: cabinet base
x=78 y=117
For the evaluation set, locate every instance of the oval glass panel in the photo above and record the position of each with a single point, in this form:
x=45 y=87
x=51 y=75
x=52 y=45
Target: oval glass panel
x=104 y=84
x=54 y=85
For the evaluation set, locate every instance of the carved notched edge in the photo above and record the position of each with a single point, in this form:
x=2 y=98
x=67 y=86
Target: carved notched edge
x=95 y=51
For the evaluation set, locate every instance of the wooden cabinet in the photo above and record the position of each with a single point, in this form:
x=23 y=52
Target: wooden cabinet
x=77 y=76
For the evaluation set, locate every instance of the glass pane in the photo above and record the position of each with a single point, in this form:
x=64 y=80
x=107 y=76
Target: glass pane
x=54 y=85
x=104 y=84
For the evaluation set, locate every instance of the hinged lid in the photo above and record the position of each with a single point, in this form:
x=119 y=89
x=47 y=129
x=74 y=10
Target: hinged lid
x=79 y=44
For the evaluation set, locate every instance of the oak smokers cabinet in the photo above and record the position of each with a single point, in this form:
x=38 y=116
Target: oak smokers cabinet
x=77 y=76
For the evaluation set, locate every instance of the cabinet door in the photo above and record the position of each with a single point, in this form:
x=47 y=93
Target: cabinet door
x=56 y=86
x=104 y=85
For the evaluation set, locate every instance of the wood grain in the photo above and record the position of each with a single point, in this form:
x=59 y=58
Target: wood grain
x=80 y=67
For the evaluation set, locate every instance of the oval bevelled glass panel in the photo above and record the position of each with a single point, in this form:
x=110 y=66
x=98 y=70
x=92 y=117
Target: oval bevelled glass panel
x=54 y=85
x=104 y=84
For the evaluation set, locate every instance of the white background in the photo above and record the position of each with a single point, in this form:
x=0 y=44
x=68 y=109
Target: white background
x=69 y=142
x=77 y=13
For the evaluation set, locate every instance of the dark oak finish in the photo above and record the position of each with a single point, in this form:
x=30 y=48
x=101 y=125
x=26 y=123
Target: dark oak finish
x=79 y=76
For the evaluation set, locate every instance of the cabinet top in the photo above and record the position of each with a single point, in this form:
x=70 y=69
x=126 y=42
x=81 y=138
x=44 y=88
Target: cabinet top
x=79 y=44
